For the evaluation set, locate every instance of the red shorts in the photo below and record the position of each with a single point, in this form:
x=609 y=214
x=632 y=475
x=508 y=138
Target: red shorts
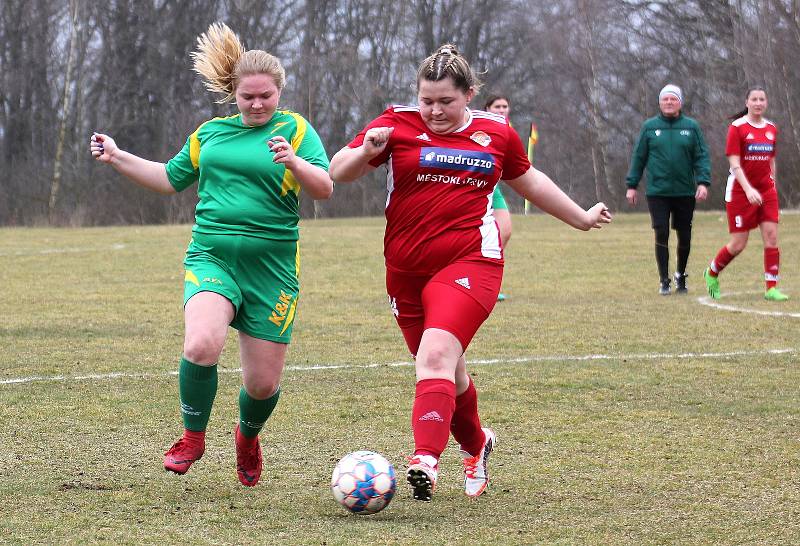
x=457 y=299
x=744 y=216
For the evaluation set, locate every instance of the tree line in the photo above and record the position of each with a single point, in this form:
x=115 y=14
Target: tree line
x=587 y=72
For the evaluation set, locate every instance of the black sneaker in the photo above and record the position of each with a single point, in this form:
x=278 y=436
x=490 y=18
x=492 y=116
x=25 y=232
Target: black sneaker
x=680 y=283
x=663 y=288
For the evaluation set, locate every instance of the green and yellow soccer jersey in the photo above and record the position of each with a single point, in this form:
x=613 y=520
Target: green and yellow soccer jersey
x=241 y=190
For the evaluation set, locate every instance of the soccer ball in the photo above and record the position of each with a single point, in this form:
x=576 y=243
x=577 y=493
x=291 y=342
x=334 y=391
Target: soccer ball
x=363 y=482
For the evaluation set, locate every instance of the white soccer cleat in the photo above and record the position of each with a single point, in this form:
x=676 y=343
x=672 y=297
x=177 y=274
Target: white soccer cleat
x=476 y=476
x=421 y=475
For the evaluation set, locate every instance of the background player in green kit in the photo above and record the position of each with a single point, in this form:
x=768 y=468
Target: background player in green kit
x=241 y=267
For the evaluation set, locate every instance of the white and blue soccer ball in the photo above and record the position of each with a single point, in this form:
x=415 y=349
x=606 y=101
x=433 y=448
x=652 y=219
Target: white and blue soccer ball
x=363 y=482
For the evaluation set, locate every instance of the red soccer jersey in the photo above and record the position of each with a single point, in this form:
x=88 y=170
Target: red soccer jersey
x=439 y=207
x=755 y=147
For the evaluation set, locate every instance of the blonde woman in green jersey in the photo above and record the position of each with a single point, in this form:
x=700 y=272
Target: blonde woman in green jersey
x=241 y=266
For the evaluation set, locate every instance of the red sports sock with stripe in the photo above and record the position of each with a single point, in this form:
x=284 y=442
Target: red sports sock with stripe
x=466 y=424
x=772 y=260
x=434 y=404
x=722 y=259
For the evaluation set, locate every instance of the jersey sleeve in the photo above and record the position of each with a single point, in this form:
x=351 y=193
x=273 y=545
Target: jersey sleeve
x=702 y=160
x=310 y=147
x=732 y=146
x=387 y=119
x=516 y=160
x=183 y=170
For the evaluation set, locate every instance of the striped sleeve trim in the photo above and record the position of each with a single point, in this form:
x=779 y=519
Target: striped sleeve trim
x=290 y=183
x=488 y=115
x=194 y=141
x=404 y=108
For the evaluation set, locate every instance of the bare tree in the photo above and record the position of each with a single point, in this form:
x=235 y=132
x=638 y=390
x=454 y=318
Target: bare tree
x=73 y=17
x=586 y=71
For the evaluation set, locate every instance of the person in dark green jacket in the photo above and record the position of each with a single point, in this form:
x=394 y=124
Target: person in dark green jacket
x=672 y=149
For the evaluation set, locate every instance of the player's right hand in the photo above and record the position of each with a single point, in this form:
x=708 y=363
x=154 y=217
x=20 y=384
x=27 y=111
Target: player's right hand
x=102 y=147
x=375 y=140
x=630 y=195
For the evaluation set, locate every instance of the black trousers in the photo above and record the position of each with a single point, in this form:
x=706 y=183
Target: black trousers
x=679 y=212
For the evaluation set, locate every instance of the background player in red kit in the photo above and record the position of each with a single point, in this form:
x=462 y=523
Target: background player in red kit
x=443 y=258
x=751 y=197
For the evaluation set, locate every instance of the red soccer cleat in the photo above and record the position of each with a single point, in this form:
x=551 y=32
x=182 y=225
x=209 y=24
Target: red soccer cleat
x=248 y=459
x=188 y=449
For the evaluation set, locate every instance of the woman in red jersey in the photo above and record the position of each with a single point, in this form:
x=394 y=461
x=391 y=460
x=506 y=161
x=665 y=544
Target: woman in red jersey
x=751 y=197
x=443 y=258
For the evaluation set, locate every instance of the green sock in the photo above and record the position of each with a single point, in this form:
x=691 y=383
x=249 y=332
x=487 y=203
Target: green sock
x=254 y=413
x=198 y=387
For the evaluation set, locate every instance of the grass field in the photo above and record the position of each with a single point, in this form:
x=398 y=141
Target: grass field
x=623 y=417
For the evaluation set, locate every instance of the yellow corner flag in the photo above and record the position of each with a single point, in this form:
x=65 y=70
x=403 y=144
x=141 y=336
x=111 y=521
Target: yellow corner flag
x=532 y=140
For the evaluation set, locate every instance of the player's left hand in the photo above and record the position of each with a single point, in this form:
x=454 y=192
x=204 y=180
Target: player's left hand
x=284 y=153
x=702 y=192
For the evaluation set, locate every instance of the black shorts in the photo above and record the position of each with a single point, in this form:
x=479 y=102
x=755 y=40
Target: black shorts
x=681 y=209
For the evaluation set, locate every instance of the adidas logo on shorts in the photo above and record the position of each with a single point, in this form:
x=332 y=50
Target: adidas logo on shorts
x=464 y=281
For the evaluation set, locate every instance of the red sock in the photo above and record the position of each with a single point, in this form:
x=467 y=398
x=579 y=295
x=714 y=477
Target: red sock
x=434 y=405
x=722 y=259
x=466 y=425
x=772 y=260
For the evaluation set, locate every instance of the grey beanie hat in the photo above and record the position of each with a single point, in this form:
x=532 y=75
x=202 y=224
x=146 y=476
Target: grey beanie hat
x=671 y=89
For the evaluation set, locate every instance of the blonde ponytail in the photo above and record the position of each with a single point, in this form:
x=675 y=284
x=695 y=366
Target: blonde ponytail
x=222 y=61
x=218 y=53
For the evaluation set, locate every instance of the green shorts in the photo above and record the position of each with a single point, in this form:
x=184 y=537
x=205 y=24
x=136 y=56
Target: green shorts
x=259 y=277
x=498 y=201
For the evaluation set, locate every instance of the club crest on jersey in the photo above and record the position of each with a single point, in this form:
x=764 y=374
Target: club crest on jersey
x=454 y=159
x=481 y=138
x=769 y=135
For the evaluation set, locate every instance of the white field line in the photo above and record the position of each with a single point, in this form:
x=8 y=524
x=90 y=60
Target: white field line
x=706 y=300
x=65 y=250
x=491 y=361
